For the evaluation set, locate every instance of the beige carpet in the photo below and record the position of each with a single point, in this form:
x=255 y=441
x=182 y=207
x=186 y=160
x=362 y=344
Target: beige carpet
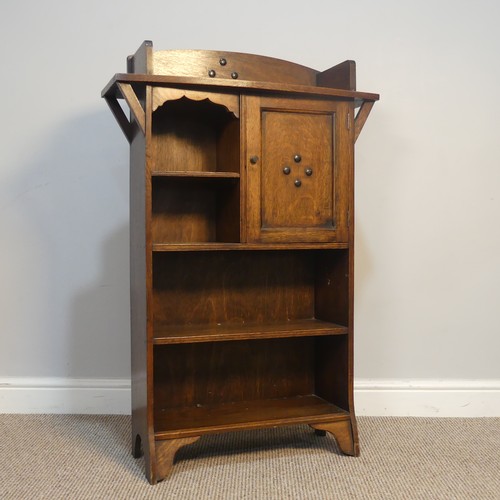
x=88 y=457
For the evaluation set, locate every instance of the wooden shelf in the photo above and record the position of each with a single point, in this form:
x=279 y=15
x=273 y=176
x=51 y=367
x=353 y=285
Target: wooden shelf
x=204 y=419
x=218 y=246
x=113 y=90
x=187 y=334
x=197 y=174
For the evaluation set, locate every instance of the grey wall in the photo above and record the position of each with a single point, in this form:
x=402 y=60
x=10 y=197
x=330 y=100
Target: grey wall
x=427 y=184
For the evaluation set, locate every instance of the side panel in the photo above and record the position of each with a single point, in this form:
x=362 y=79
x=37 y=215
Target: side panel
x=138 y=291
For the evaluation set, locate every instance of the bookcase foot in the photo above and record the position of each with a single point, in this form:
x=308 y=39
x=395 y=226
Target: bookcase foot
x=165 y=454
x=343 y=433
x=319 y=432
x=137 y=451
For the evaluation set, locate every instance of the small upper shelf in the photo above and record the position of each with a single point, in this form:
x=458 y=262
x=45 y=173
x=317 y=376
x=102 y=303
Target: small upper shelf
x=197 y=174
x=112 y=89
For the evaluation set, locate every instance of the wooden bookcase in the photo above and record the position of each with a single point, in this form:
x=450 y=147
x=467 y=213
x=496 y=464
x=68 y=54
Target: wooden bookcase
x=241 y=228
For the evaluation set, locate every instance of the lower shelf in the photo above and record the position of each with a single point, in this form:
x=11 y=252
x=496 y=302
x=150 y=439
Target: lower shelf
x=205 y=419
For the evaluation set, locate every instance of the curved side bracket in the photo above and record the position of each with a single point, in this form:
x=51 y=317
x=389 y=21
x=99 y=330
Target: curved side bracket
x=361 y=117
x=127 y=93
x=165 y=454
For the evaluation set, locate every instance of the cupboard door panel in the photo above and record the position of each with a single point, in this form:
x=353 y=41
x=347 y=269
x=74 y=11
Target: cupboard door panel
x=298 y=164
x=296 y=184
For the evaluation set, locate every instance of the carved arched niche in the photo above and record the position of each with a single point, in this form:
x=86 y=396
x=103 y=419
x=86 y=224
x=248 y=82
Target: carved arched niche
x=195 y=131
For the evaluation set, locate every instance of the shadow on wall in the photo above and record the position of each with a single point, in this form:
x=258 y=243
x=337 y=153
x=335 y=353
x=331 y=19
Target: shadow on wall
x=66 y=218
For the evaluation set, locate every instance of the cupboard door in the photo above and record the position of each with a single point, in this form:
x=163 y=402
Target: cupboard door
x=298 y=165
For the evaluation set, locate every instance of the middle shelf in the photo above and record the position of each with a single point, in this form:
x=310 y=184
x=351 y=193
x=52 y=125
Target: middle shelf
x=201 y=296
x=179 y=334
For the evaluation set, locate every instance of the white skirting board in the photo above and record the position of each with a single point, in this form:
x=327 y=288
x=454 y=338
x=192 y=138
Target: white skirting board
x=420 y=398
x=427 y=398
x=65 y=395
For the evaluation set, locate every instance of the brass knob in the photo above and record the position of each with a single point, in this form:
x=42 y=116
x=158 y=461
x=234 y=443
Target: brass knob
x=254 y=159
x=222 y=61
x=309 y=171
x=297 y=158
x=211 y=73
x=234 y=75
x=286 y=170
x=298 y=183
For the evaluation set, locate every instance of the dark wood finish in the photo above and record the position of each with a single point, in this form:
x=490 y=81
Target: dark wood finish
x=142 y=61
x=217 y=246
x=185 y=333
x=333 y=369
x=347 y=363
x=341 y=430
x=195 y=136
x=257 y=414
x=217 y=373
x=139 y=256
x=249 y=67
x=165 y=454
x=211 y=85
x=341 y=76
x=194 y=174
x=194 y=210
x=241 y=271
x=134 y=105
x=318 y=132
x=230 y=102
x=120 y=117
x=239 y=287
x=361 y=118
x=332 y=287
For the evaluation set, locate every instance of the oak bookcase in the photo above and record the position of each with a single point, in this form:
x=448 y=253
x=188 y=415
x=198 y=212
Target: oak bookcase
x=241 y=230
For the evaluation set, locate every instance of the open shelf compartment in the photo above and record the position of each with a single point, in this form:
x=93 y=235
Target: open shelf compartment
x=238 y=295
x=195 y=136
x=206 y=419
x=225 y=386
x=196 y=169
x=191 y=209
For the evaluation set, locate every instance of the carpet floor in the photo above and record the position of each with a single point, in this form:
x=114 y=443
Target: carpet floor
x=88 y=457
